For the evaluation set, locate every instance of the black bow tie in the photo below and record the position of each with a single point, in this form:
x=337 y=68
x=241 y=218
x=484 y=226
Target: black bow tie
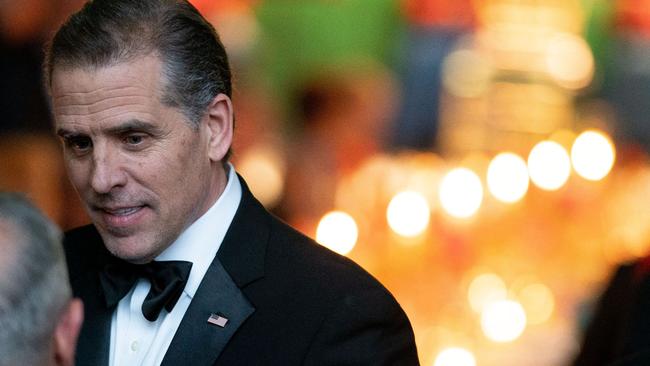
x=167 y=280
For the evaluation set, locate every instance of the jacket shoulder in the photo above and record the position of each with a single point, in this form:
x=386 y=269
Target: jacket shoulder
x=353 y=309
x=315 y=269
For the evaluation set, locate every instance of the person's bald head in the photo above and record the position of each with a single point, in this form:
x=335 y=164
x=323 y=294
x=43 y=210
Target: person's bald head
x=39 y=321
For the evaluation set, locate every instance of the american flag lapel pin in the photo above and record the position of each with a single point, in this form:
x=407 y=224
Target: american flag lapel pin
x=218 y=320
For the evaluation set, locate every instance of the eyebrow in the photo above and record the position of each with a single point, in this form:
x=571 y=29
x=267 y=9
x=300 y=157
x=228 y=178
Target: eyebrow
x=133 y=125
x=126 y=127
x=62 y=132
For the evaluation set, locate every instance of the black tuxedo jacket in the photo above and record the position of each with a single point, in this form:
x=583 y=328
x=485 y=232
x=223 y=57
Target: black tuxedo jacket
x=288 y=301
x=619 y=331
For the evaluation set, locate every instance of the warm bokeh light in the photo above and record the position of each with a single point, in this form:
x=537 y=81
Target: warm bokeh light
x=503 y=321
x=337 y=231
x=484 y=290
x=538 y=301
x=263 y=168
x=564 y=137
x=455 y=356
x=408 y=213
x=466 y=73
x=507 y=177
x=569 y=61
x=593 y=155
x=549 y=165
x=461 y=193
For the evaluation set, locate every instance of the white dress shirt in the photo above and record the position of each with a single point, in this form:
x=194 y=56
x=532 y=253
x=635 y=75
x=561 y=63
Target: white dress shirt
x=137 y=341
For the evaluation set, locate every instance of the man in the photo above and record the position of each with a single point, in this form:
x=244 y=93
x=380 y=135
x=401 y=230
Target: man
x=182 y=265
x=618 y=330
x=39 y=322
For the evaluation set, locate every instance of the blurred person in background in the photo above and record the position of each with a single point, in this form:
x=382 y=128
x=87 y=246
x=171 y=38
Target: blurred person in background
x=434 y=27
x=39 y=321
x=344 y=119
x=182 y=264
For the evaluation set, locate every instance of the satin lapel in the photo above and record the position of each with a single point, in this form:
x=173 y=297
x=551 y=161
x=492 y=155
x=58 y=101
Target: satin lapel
x=95 y=337
x=240 y=261
x=198 y=342
x=243 y=250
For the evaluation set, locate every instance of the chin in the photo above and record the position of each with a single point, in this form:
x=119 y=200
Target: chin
x=132 y=249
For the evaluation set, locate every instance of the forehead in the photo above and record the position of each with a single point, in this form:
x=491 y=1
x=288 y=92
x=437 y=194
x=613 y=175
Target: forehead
x=142 y=68
x=106 y=93
x=86 y=84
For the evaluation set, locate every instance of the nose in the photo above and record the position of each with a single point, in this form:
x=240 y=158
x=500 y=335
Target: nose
x=108 y=172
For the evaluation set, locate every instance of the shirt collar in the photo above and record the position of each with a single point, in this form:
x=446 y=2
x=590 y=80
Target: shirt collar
x=200 y=242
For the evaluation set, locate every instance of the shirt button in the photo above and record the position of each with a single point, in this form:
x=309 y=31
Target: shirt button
x=134 y=346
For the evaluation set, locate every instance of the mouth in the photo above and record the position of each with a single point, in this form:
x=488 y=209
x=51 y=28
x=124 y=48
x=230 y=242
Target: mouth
x=124 y=211
x=120 y=218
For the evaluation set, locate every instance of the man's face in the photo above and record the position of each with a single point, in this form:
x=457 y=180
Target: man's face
x=142 y=171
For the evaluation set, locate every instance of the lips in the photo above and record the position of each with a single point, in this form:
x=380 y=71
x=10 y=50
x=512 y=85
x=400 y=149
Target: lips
x=121 y=217
x=122 y=211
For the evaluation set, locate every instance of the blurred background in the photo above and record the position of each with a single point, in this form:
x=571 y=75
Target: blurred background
x=487 y=160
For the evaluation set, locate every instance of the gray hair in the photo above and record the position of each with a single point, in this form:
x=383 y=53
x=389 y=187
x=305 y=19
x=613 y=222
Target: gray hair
x=34 y=287
x=106 y=32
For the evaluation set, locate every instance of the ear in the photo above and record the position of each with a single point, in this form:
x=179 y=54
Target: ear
x=220 y=119
x=66 y=333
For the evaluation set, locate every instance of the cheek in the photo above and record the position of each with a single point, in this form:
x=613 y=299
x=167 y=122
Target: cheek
x=77 y=173
x=164 y=175
x=178 y=168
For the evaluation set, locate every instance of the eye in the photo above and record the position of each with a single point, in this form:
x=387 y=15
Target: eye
x=134 y=139
x=79 y=144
